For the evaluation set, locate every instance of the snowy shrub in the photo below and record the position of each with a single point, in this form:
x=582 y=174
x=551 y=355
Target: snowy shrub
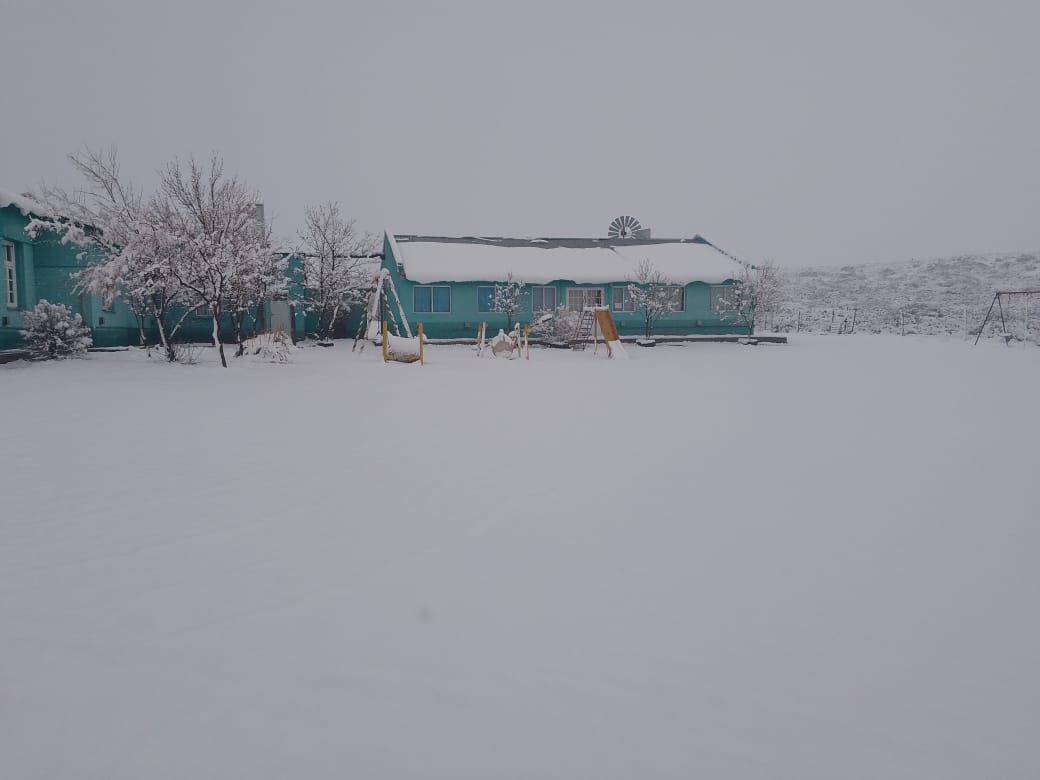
x=557 y=329
x=186 y=354
x=53 y=332
x=273 y=347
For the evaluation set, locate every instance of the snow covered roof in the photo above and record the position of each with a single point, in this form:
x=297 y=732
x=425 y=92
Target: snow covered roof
x=25 y=205
x=429 y=259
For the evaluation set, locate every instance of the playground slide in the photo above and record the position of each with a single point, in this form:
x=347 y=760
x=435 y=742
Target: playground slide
x=608 y=331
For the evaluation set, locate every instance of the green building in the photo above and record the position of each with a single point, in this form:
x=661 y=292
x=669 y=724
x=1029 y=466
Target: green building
x=448 y=283
x=41 y=268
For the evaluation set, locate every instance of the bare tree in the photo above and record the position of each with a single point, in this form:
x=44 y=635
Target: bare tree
x=126 y=254
x=758 y=292
x=652 y=294
x=207 y=220
x=258 y=282
x=335 y=264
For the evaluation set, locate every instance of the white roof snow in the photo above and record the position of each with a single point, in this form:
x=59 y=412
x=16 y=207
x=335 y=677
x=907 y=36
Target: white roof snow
x=540 y=261
x=25 y=205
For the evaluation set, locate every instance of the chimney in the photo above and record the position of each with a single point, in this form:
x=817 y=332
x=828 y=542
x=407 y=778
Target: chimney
x=258 y=216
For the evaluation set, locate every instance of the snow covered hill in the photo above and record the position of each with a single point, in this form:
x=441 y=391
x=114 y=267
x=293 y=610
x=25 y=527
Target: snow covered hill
x=948 y=295
x=563 y=568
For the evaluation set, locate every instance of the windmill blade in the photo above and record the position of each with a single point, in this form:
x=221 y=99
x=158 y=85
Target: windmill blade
x=624 y=226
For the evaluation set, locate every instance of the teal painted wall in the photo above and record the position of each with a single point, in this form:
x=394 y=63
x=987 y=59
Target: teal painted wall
x=462 y=320
x=12 y=230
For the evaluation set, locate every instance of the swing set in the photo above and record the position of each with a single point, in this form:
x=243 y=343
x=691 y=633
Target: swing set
x=379 y=316
x=998 y=301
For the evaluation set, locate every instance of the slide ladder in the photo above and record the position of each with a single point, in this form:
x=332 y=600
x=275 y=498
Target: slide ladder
x=598 y=319
x=585 y=324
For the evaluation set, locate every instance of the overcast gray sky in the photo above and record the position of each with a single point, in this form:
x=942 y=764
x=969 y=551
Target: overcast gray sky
x=807 y=133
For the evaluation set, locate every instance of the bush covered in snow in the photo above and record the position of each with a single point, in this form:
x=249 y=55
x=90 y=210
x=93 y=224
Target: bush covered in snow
x=53 y=332
x=557 y=329
x=275 y=347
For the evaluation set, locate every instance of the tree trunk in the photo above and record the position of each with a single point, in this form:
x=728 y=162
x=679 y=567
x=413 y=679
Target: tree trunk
x=141 y=336
x=238 y=318
x=171 y=356
x=216 y=336
x=258 y=320
x=331 y=328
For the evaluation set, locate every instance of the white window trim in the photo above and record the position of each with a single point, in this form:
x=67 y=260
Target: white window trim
x=556 y=297
x=584 y=290
x=451 y=296
x=10 y=275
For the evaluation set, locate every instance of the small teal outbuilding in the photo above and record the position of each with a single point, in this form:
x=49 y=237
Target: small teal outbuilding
x=447 y=283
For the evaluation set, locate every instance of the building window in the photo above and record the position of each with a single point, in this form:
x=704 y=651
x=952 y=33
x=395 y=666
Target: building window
x=623 y=300
x=435 y=300
x=579 y=298
x=675 y=297
x=485 y=299
x=543 y=298
x=10 y=277
x=203 y=311
x=723 y=299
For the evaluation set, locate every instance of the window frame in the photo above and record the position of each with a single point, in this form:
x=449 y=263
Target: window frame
x=628 y=305
x=431 y=288
x=542 y=288
x=10 y=265
x=682 y=298
x=584 y=292
x=713 y=291
x=491 y=300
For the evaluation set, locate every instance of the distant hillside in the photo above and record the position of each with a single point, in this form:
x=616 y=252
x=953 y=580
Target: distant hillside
x=933 y=296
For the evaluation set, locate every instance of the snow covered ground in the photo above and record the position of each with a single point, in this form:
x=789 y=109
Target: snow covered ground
x=811 y=561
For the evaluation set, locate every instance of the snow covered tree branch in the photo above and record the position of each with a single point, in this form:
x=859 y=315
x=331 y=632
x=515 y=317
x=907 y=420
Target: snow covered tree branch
x=208 y=221
x=652 y=294
x=507 y=299
x=759 y=291
x=125 y=253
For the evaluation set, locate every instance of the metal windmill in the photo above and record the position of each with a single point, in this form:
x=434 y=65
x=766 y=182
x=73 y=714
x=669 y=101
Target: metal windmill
x=627 y=227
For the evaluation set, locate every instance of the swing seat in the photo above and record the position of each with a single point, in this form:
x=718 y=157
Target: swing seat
x=503 y=348
x=402 y=357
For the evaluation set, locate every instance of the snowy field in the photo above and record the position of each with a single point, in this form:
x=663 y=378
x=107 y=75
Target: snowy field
x=812 y=561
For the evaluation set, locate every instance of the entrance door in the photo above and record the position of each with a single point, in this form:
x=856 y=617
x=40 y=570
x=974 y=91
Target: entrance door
x=281 y=316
